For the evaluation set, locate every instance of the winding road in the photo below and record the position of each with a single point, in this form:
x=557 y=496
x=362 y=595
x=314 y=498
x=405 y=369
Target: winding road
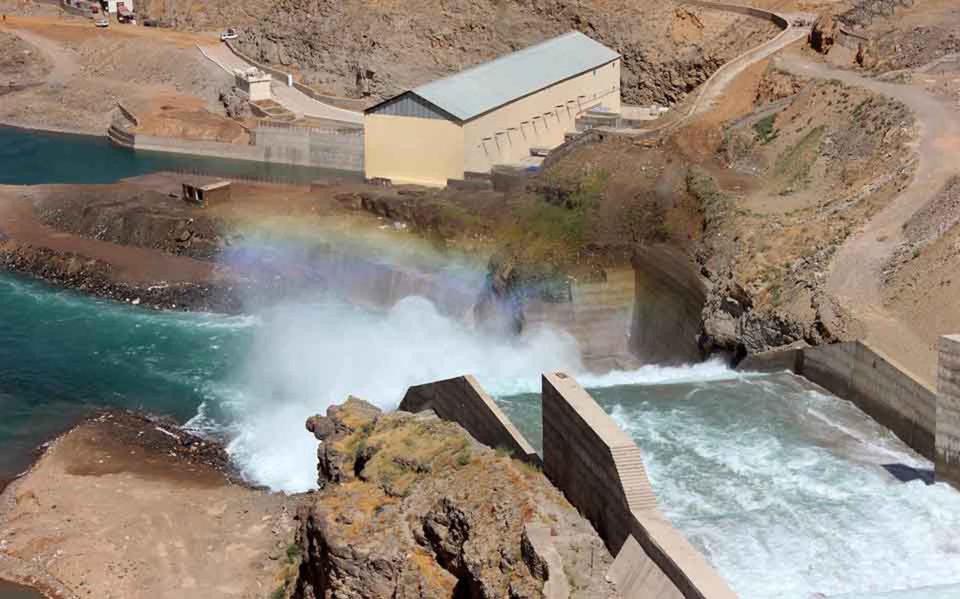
x=290 y=98
x=855 y=277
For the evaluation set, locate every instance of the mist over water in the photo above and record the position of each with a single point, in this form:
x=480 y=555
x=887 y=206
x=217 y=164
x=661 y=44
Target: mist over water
x=306 y=356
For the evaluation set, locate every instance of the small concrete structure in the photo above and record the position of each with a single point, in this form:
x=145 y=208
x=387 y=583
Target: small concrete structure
x=464 y=401
x=491 y=114
x=254 y=82
x=947 y=458
x=211 y=192
x=114 y=6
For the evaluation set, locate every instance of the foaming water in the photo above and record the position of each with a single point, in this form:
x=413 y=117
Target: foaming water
x=788 y=492
x=307 y=356
x=784 y=489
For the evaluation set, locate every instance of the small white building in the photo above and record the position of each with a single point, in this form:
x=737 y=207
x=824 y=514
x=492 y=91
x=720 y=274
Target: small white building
x=113 y=6
x=254 y=82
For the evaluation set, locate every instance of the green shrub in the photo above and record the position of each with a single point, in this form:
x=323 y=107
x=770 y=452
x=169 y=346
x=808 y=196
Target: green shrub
x=765 y=130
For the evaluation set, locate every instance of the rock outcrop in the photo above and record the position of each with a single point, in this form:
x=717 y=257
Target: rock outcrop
x=824 y=33
x=235 y=104
x=375 y=51
x=410 y=506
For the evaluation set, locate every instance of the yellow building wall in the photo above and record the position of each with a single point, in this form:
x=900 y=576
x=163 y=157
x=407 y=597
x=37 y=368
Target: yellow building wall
x=412 y=150
x=505 y=135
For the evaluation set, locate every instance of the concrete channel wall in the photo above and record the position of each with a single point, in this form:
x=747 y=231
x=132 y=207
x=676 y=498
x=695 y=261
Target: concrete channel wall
x=880 y=387
x=947 y=460
x=600 y=470
x=748 y=11
x=311 y=147
x=463 y=400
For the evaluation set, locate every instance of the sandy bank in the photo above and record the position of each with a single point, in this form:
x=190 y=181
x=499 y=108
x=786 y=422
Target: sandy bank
x=123 y=506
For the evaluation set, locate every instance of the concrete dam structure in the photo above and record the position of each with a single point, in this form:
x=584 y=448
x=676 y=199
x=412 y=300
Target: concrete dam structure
x=601 y=472
x=697 y=474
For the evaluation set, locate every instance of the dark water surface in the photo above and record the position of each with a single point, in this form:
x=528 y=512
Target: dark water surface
x=30 y=157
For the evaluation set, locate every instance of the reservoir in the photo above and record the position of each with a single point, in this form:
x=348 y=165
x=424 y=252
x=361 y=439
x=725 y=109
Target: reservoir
x=35 y=157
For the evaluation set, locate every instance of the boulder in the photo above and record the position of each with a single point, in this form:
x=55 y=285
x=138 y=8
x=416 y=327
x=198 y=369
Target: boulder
x=824 y=33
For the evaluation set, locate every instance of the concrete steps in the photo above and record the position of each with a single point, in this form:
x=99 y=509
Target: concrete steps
x=120 y=136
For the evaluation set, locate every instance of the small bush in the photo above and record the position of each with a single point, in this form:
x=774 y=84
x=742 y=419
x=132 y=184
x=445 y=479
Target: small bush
x=293 y=552
x=765 y=130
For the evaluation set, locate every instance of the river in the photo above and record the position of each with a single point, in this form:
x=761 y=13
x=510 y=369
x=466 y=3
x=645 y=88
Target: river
x=788 y=491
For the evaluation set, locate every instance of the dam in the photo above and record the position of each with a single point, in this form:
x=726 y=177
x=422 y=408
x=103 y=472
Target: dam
x=762 y=473
x=787 y=490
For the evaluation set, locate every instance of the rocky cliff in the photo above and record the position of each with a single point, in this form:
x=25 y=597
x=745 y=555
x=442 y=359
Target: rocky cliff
x=374 y=50
x=412 y=506
x=377 y=50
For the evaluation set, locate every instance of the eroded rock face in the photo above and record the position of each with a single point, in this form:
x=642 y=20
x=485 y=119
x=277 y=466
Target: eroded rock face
x=732 y=324
x=824 y=33
x=412 y=507
x=376 y=51
x=235 y=104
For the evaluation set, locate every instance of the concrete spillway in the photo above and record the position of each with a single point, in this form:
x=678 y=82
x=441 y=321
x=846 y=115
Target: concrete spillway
x=789 y=492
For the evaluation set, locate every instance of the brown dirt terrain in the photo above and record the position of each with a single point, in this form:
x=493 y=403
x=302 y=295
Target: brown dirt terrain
x=158 y=73
x=123 y=506
x=20 y=63
x=922 y=284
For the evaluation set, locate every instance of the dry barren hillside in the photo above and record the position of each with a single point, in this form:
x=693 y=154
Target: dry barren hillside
x=375 y=49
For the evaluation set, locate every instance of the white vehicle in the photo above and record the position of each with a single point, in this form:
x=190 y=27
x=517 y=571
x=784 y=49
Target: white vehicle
x=102 y=22
x=229 y=34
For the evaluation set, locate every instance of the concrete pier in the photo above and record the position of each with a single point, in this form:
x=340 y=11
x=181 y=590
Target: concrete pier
x=947 y=458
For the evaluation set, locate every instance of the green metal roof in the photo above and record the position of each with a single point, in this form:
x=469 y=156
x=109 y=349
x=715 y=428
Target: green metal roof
x=480 y=89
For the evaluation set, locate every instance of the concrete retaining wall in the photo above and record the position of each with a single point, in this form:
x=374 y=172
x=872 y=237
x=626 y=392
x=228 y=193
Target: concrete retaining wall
x=600 y=470
x=463 y=400
x=328 y=149
x=747 y=11
x=880 y=387
x=947 y=459
x=213 y=149
x=281 y=76
x=301 y=147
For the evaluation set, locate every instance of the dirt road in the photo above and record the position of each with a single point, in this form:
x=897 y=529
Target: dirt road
x=74 y=29
x=855 y=274
x=64 y=62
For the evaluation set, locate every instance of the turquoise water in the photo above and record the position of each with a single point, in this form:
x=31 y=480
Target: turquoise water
x=35 y=157
x=784 y=489
x=62 y=355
